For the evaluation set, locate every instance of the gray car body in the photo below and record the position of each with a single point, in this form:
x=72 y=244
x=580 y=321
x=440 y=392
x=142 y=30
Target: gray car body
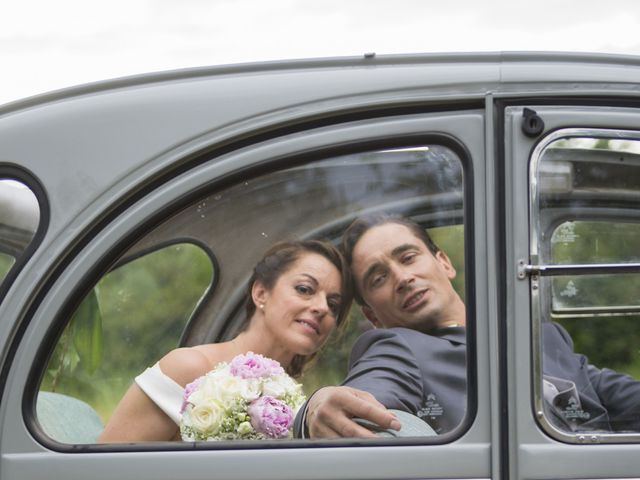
x=110 y=156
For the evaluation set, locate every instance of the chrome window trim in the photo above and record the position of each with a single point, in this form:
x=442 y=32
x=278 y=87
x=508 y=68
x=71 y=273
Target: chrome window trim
x=535 y=270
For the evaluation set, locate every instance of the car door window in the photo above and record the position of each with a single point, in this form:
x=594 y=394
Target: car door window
x=586 y=290
x=136 y=305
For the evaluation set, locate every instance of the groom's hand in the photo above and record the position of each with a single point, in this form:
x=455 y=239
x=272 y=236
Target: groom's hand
x=330 y=413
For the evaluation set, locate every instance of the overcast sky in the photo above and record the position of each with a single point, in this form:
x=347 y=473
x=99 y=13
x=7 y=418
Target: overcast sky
x=50 y=44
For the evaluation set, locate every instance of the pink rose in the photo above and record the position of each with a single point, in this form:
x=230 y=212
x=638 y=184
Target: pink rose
x=252 y=365
x=188 y=390
x=271 y=417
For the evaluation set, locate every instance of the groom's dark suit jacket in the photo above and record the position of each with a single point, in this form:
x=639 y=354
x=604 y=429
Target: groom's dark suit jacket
x=408 y=370
x=426 y=375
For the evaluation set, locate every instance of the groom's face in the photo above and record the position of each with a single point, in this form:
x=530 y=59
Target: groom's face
x=401 y=281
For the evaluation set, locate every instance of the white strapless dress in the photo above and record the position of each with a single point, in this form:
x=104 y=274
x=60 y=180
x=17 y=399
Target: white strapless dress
x=165 y=392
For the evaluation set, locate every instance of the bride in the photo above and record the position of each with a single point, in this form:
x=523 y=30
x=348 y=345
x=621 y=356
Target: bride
x=298 y=294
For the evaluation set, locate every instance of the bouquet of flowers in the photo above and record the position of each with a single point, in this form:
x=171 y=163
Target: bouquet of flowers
x=250 y=398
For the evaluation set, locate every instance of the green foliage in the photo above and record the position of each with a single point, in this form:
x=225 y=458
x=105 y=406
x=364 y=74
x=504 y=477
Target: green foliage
x=81 y=344
x=132 y=317
x=451 y=241
x=86 y=325
x=610 y=341
x=6 y=262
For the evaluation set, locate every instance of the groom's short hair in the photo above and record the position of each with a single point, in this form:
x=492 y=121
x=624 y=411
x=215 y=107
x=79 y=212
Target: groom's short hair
x=361 y=225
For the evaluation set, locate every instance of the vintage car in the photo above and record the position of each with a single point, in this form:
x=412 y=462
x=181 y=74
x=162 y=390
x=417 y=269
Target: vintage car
x=132 y=212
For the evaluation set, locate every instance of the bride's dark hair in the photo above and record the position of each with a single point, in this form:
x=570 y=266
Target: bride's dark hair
x=276 y=261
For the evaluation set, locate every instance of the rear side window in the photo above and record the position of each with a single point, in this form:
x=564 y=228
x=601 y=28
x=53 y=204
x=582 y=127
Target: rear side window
x=585 y=239
x=19 y=221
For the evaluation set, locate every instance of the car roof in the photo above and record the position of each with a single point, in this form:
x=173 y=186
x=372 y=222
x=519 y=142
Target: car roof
x=105 y=131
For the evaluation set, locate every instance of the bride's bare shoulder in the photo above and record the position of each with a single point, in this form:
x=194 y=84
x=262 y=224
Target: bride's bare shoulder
x=186 y=364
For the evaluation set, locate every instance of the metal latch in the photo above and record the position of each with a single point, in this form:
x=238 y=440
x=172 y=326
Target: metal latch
x=526 y=269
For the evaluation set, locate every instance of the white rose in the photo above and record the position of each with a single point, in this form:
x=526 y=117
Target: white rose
x=278 y=386
x=250 y=390
x=210 y=388
x=273 y=388
x=196 y=397
x=231 y=389
x=206 y=417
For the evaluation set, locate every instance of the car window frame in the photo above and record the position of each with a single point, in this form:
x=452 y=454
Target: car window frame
x=242 y=174
x=21 y=175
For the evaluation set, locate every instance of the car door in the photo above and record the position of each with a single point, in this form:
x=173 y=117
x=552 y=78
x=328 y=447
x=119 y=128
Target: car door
x=572 y=236
x=225 y=202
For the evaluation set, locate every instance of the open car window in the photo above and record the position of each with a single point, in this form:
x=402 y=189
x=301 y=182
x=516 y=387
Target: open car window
x=135 y=307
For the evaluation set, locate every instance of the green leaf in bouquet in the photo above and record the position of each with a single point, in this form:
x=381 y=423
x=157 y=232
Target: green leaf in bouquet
x=87 y=332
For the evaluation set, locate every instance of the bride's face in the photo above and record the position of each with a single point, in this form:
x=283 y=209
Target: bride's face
x=300 y=310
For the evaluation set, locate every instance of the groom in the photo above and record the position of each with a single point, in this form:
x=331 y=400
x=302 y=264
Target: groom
x=416 y=360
